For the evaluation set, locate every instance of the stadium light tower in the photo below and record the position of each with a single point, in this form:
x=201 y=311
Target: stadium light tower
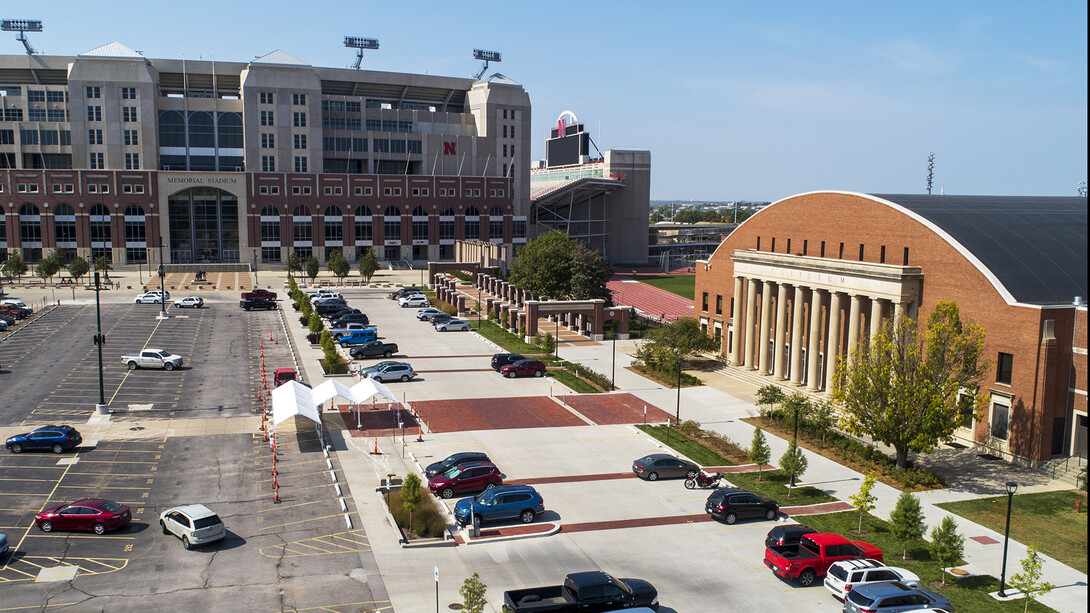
x=487 y=56
x=22 y=26
x=359 y=44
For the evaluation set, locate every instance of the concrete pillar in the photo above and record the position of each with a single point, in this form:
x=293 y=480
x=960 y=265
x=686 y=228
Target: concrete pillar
x=832 y=345
x=737 y=324
x=766 y=327
x=487 y=308
x=748 y=328
x=781 y=332
x=813 y=360
x=797 y=326
x=900 y=309
x=875 y=317
x=854 y=316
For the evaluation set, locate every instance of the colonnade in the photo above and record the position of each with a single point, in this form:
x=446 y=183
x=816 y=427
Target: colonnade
x=796 y=333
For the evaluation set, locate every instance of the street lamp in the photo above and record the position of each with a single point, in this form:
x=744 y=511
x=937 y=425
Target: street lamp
x=162 y=292
x=478 y=304
x=1012 y=487
x=795 y=437
x=100 y=340
x=678 y=410
x=613 y=372
x=556 y=341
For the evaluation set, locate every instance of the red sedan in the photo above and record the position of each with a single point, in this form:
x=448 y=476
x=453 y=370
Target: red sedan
x=89 y=515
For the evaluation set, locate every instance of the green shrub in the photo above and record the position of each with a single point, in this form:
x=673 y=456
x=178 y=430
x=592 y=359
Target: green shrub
x=426 y=520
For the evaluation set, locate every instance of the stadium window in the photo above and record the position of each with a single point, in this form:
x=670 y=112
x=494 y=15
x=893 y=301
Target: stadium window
x=704 y=302
x=805 y=244
x=860 y=252
x=841 y=256
x=1005 y=366
x=773 y=249
x=882 y=256
x=906 y=257
x=822 y=248
x=788 y=250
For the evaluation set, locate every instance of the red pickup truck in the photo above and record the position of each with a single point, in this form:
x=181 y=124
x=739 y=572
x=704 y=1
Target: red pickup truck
x=812 y=556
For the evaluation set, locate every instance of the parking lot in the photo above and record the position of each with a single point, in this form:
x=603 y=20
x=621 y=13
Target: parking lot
x=190 y=435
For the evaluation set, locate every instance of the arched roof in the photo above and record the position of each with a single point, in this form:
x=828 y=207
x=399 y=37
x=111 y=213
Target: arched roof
x=1035 y=247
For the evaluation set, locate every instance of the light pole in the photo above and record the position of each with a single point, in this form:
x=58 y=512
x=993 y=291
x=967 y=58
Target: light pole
x=478 y=305
x=162 y=292
x=613 y=372
x=677 y=415
x=1012 y=487
x=100 y=340
x=795 y=436
x=556 y=341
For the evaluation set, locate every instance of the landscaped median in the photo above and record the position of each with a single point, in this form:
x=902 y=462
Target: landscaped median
x=971 y=593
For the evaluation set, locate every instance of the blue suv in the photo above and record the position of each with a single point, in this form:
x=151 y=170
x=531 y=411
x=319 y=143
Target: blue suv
x=501 y=502
x=56 y=438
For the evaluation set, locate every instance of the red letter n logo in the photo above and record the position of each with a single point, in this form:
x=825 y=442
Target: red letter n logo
x=449 y=148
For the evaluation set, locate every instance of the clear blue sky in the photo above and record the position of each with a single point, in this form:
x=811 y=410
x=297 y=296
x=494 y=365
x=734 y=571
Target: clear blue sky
x=735 y=100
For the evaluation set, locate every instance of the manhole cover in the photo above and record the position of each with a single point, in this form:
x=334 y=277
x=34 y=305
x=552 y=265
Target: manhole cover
x=135 y=428
x=455 y=606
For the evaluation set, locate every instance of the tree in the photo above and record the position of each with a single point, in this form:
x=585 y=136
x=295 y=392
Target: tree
x=368 y=265
x=15 y=265
x=411 y=495
x=770 y=395
x=793 y=464
x=313 y=266
x=548 y=343
x=821 y=417
x=864 y=500
x=293 y=265
x=590 y=274
x=759 y=452
x=47 y=268
x=102 y=264
x=314 y=323
x=906 y=522
x=338 y=265
x=903 y=387
x=544 y=265
x=473 y=591
x=673 y=342
x=78 y=267
x=947 y=545
x=1029 y=580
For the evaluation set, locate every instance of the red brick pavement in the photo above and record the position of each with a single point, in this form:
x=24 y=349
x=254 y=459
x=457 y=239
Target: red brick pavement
x=816 y=509
x=494 y=414
x=378 y=422
x=623 y=408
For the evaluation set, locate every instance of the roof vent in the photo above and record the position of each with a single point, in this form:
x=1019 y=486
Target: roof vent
x=1079 y=301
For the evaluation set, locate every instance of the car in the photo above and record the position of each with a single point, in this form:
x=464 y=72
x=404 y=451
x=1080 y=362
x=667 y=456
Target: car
x=454 y=325
x=441 y=318
x=194 y=524
x=394 y=372
x=347 y=329
x=282 y=376
x=250 y=304
x=373 y=349
x=322 y=293
x=194 y=302
x=663 y=466
x=500 y=360
x=152 y=358
x=788 y=534
x=521 y=368
x=846 y=575
x=352 y=318
x=358 y=337
x=15 y=311
x=329 y=306
x=405 y=291
x=426 y=314
x=469 y=477
x=414 y=300
x=449 y=462
x=730 y=504
x=259 y=293
x=339 y=313
x=892 y=596
x=3 y=325
x=57 y=439
x=159 y=292
x=88 y=515
x=148 y=298
x=8 y=318
x=381 y=366
x=4 y=547
x=500 y=503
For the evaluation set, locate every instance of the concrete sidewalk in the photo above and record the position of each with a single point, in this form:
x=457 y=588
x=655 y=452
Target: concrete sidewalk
x=721 y=404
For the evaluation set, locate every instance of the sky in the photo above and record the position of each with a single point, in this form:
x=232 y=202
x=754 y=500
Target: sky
x=734 y=100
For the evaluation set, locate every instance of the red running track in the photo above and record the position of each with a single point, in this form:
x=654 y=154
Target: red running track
x=652 y=302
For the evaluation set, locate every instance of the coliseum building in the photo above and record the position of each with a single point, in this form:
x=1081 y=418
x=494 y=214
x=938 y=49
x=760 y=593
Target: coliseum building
x=803 y=281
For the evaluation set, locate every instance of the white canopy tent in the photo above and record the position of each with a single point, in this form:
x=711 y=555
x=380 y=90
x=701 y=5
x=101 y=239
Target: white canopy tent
x=293 y=398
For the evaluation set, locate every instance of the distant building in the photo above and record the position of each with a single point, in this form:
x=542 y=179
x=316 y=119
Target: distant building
x=602 y=200
x=108 y=153
x=805 y=280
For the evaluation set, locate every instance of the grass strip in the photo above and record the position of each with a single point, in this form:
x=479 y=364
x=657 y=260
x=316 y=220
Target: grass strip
x=1046 y=518
x=576 y=384
x=967 y=594
x=682 y=285
x=686 y=446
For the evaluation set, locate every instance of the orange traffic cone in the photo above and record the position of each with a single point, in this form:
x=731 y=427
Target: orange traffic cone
x=420 y=437
x=375 y=452
x=274 y=471
x=276 y=339
x=276 y=491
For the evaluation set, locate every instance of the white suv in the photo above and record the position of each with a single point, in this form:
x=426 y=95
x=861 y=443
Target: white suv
x=846 y=574
x=195 y=524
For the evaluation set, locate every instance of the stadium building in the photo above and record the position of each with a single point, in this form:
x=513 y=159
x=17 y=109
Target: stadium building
x=806 y=279
x=112 y=154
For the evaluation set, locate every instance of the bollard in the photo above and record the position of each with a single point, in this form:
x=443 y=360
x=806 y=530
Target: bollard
x=1078 y=506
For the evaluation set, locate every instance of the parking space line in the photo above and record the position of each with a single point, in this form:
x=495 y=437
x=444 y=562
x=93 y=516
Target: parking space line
x=115 y=462
x=329 y=608
x=42 y=508
x=290 y=506
x=17 y=479
x=303 y=521
x=80 y=536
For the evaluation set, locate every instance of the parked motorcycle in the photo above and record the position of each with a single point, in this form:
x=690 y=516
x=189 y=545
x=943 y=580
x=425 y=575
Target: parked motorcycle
x=703 y=480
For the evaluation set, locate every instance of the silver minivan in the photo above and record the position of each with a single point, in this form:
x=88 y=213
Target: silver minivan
x=195 y=524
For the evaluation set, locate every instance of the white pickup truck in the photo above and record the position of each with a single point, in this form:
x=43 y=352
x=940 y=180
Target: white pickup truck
x=152 y=358
x=347 y=329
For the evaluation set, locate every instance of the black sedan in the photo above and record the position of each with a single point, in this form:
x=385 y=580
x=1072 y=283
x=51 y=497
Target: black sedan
x=730 y=504
x=442 y=466
x=663 y=466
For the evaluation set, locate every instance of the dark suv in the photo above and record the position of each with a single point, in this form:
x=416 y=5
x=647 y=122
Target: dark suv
x=500 y=503
x=15 y=312
x=251 y=304
x=469 y=477
x=259 y=293
x=503 y=359
x=451 y=461
x=55 y=438
x=788 y=534
x=730 y=504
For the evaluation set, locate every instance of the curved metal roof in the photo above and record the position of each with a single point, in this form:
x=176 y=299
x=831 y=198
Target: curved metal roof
x=1034 y=246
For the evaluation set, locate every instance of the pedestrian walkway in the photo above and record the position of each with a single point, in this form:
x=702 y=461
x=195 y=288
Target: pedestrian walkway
x=721 y=404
